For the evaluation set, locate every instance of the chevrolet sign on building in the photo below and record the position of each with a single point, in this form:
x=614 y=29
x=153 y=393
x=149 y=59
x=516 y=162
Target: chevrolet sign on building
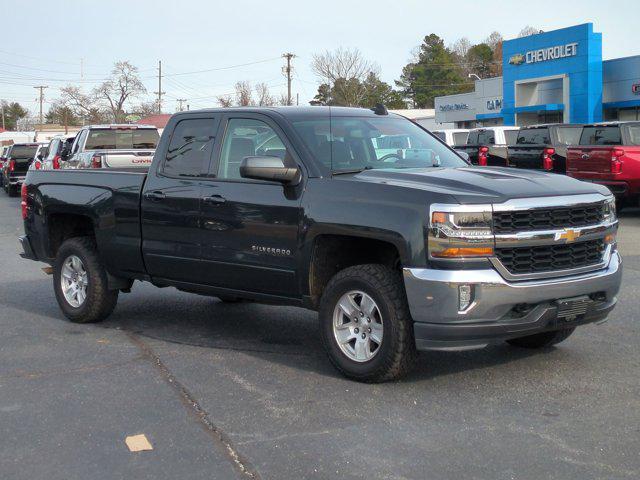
x=544 y=54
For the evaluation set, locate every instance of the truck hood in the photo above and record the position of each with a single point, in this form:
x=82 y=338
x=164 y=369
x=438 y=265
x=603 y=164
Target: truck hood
x=481 y=184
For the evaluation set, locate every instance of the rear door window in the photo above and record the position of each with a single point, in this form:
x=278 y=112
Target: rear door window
x=510 y=136
x=441 y=135
x=606 y=135
x=533 y=136
x=122 y=139
x=486 y=137
x=472 y=139
x=569 y=135
x=460 y=138
x=190 y=148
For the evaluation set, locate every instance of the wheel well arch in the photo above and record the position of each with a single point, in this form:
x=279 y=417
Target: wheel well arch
x=62 y=226
x=334 y=252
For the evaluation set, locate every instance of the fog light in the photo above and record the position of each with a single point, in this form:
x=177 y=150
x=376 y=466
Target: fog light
x=465 y=297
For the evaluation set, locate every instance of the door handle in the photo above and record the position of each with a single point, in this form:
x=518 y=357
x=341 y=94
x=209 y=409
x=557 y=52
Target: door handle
x=154 y=196
x=214 y=200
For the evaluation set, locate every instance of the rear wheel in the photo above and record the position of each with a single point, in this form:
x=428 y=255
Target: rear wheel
x=80 y=282
x=365 y=324
x=541 y=340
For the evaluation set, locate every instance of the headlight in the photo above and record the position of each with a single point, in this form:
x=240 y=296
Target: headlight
x=609 y=208
x=460 y=234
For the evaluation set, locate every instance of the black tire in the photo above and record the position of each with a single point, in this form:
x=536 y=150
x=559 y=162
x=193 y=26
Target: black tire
x=542 y=340
x=100 y=301
x=398 y=349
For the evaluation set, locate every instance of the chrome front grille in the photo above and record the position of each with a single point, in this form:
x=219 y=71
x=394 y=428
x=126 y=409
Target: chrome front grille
x=547 y=218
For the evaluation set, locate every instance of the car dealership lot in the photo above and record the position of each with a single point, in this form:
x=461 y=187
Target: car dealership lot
x=245 y=391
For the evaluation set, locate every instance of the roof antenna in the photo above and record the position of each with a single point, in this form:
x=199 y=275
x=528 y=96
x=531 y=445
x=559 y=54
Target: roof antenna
x=380 y=109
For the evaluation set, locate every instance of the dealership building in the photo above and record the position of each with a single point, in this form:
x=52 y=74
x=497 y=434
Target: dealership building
x=556 y=76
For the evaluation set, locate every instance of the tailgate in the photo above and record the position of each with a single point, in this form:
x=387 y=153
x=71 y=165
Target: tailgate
x=471 y=150
x=589 y=159
x=529 y=156
x=21 y=165
x=127 y=158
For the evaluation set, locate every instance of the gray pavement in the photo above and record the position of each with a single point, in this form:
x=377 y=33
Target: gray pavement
x=245 y=391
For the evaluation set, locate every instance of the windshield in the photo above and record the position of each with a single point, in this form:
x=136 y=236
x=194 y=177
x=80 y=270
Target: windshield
x=23 y=151
x=345 y=144
x=634 y=134
x=569 y=135
x=123 y=139
x=533 y=136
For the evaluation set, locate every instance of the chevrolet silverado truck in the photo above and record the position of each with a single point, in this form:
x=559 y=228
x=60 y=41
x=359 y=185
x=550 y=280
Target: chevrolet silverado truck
x=609 y=154
x=400 y=252
x=18 y=160
x=543 y=147
x=113 y=146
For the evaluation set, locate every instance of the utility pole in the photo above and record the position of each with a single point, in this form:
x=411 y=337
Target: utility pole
x=159 y=92
x=287 y=72
x=180 y=102
x=81 y=68
x=2 y=108
x=41 y=88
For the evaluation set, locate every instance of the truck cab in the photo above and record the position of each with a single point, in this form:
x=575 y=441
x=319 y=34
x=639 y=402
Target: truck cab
x=487 y=146
x=609 y=154
x=454 y=137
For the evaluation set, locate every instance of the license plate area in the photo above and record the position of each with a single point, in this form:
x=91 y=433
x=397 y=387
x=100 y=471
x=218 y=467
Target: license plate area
x=571 y=308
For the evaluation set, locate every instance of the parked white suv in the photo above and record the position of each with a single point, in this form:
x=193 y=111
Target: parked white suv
x=453 y=136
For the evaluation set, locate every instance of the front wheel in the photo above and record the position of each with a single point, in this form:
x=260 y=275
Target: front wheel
x=541 y=340
x=80 y=282
x=365 y=324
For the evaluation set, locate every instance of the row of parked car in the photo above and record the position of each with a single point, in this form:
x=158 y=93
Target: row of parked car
x=94 y=146
x=607 y=153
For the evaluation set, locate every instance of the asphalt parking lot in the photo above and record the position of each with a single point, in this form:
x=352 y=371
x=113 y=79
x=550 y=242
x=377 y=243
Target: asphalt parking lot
x=245 y=391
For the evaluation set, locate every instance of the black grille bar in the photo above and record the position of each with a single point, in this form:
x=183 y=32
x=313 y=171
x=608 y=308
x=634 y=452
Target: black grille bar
x=547 y=218
x=547 y=258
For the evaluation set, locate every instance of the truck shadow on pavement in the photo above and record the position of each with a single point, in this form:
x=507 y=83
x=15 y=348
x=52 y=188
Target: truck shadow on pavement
x=284 y=335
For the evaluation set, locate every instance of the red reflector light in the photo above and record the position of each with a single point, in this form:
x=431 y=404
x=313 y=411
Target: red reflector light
x=549 y=151
x=616 y=162
x=547 y=158
x=12 y=165
x=482 y=156
x=38 y=165
x=96 y=161
x=23 y=200
x=55 y=163
x=484 y=149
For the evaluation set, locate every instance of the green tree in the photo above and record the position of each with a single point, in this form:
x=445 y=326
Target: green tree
x=13 y=112
x=61 y=115
x=377 y=91
x=433 y=73
x=480 y=60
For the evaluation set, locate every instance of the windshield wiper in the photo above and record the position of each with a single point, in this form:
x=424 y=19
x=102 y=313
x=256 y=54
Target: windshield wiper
x=358 y=170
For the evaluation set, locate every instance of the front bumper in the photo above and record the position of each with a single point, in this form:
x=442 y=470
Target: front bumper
x=500 y=309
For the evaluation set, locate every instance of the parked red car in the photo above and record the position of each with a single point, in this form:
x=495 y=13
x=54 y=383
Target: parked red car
x=609 y=154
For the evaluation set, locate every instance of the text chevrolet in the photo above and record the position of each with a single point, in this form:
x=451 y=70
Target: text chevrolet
x=398 y=251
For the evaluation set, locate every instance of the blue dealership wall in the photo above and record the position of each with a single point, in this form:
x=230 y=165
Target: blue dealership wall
x=584 y=70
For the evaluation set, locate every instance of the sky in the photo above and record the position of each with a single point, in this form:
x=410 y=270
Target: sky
x=45 y=42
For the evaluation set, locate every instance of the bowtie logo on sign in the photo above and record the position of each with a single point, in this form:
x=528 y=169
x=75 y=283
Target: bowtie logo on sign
x=545 y=54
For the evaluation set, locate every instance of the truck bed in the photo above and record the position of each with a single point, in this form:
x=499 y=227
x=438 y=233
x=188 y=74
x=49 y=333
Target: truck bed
x=111 y=198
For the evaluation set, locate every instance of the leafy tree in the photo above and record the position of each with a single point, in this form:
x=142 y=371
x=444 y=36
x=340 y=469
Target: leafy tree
x=480 y=59
x=355 y=93
x=323 y=97
x=13 y=112
x=377 y=91
x=61 y=115
x=434 y=73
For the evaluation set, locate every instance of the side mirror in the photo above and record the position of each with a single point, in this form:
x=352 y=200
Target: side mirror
x=463 y=155
x=268 y=168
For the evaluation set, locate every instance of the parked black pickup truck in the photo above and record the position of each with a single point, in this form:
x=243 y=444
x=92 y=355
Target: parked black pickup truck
x=410 y=250
x=543 y=147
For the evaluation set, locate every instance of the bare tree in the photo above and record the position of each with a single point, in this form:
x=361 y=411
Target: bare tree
x=528 y=30
x=461 y=47
x=243 y=94
x=123 y=85
x=264 y=97
x=493 y=40
x=345 y=71
x=342 y=63
x=282 y=100
x=145 y=109
x=225 y=101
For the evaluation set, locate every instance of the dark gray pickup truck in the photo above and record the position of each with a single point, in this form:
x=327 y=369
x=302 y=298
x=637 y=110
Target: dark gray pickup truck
x=398 y=251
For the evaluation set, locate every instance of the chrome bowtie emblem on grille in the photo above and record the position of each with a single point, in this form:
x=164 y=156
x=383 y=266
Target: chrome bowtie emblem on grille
x=568 y=235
